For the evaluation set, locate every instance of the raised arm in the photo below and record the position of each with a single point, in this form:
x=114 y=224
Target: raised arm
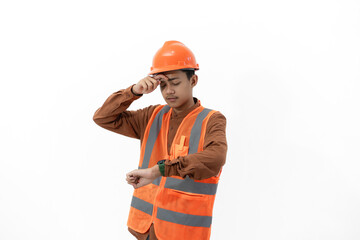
x=113 y=114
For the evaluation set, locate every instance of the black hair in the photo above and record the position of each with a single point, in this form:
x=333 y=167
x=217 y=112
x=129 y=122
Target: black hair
x=189 y=72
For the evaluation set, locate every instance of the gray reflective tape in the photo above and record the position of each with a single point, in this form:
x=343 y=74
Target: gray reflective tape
x=157 y=181
x=142 y=205
x=189 y=185
x=184 y=219
x=153 y=134
x=196 y=131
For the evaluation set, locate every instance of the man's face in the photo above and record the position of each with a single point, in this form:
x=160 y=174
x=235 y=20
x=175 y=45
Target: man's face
x=176 y=89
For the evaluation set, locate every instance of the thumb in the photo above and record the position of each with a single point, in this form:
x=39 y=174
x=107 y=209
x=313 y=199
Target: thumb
x=130 y=174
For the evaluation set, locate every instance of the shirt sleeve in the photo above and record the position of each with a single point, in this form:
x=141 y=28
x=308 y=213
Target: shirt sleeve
x=205 y=164
x=113 y=116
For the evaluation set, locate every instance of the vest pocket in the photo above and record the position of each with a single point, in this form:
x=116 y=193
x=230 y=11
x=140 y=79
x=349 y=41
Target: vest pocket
x=180 y=151
x=184 y=202
x=187 y=194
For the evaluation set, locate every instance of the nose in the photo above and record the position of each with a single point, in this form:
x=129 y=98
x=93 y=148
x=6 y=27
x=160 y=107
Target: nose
x=169 y=89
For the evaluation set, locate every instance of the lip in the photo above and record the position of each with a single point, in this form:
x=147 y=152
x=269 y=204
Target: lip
x=171 y=99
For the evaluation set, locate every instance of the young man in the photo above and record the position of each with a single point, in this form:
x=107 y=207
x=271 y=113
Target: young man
x=183 y=149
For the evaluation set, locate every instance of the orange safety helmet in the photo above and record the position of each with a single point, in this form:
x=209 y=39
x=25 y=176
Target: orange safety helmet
x=173 y=55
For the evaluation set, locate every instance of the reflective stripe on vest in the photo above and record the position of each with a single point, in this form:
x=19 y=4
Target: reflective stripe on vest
x=196 y=131
x=184 y=219
x=157 y=181
x=142 y=205
x=187 y=184
x=153 y=134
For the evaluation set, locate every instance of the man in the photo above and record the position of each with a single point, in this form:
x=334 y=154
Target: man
x=183 y=149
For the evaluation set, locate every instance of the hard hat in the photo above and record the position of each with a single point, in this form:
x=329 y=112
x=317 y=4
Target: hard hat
x=173 y=56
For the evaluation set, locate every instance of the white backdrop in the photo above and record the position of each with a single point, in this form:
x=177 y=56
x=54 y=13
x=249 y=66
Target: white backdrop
x=284 y=73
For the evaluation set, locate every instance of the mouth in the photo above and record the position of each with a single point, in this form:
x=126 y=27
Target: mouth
x=171 y=99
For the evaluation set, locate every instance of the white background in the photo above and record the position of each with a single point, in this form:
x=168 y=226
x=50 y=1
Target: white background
x=284 y=73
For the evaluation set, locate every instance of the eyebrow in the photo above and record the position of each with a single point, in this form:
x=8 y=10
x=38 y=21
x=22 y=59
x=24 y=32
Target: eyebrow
x=170 y=79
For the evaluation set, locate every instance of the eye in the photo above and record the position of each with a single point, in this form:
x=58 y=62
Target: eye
x=175 y=83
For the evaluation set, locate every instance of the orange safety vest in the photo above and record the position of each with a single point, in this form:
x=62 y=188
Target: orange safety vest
x=179 y=208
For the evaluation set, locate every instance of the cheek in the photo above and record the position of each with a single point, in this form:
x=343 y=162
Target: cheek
x=186 y=89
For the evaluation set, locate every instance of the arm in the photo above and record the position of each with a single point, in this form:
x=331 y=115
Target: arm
x=207 y=163
x=112 y=115
x=197 y=166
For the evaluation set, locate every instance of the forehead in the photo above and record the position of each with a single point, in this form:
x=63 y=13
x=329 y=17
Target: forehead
x=175 y=73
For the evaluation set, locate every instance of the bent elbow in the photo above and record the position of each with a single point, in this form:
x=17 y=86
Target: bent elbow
x=96 y=117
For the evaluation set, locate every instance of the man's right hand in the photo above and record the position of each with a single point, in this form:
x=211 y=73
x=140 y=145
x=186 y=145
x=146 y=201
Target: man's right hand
x=148 y=84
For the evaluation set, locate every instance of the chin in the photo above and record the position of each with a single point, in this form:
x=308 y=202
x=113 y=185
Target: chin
x=173 y=104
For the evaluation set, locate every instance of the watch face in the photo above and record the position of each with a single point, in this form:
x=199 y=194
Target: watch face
x=161 y=161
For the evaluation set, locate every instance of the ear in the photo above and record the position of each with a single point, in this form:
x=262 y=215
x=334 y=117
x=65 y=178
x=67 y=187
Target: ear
x=193 y=80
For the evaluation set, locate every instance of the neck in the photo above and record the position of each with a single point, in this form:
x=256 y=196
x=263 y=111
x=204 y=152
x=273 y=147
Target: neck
x=185 y=106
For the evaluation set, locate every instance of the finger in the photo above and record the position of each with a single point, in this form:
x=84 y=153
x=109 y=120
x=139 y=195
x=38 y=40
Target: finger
x=128 y=178
x=150 y=84
x=147 y=86
x=160 y=79
x=135 y=180
x=143 y=86
x=161 y=76
x=153 y=81
x=154 y=84
x=132 y=182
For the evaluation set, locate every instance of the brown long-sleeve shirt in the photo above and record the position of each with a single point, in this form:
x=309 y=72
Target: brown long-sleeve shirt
x=113 y=116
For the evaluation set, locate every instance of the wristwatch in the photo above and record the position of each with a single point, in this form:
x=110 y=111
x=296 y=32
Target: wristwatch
x=161 y=164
